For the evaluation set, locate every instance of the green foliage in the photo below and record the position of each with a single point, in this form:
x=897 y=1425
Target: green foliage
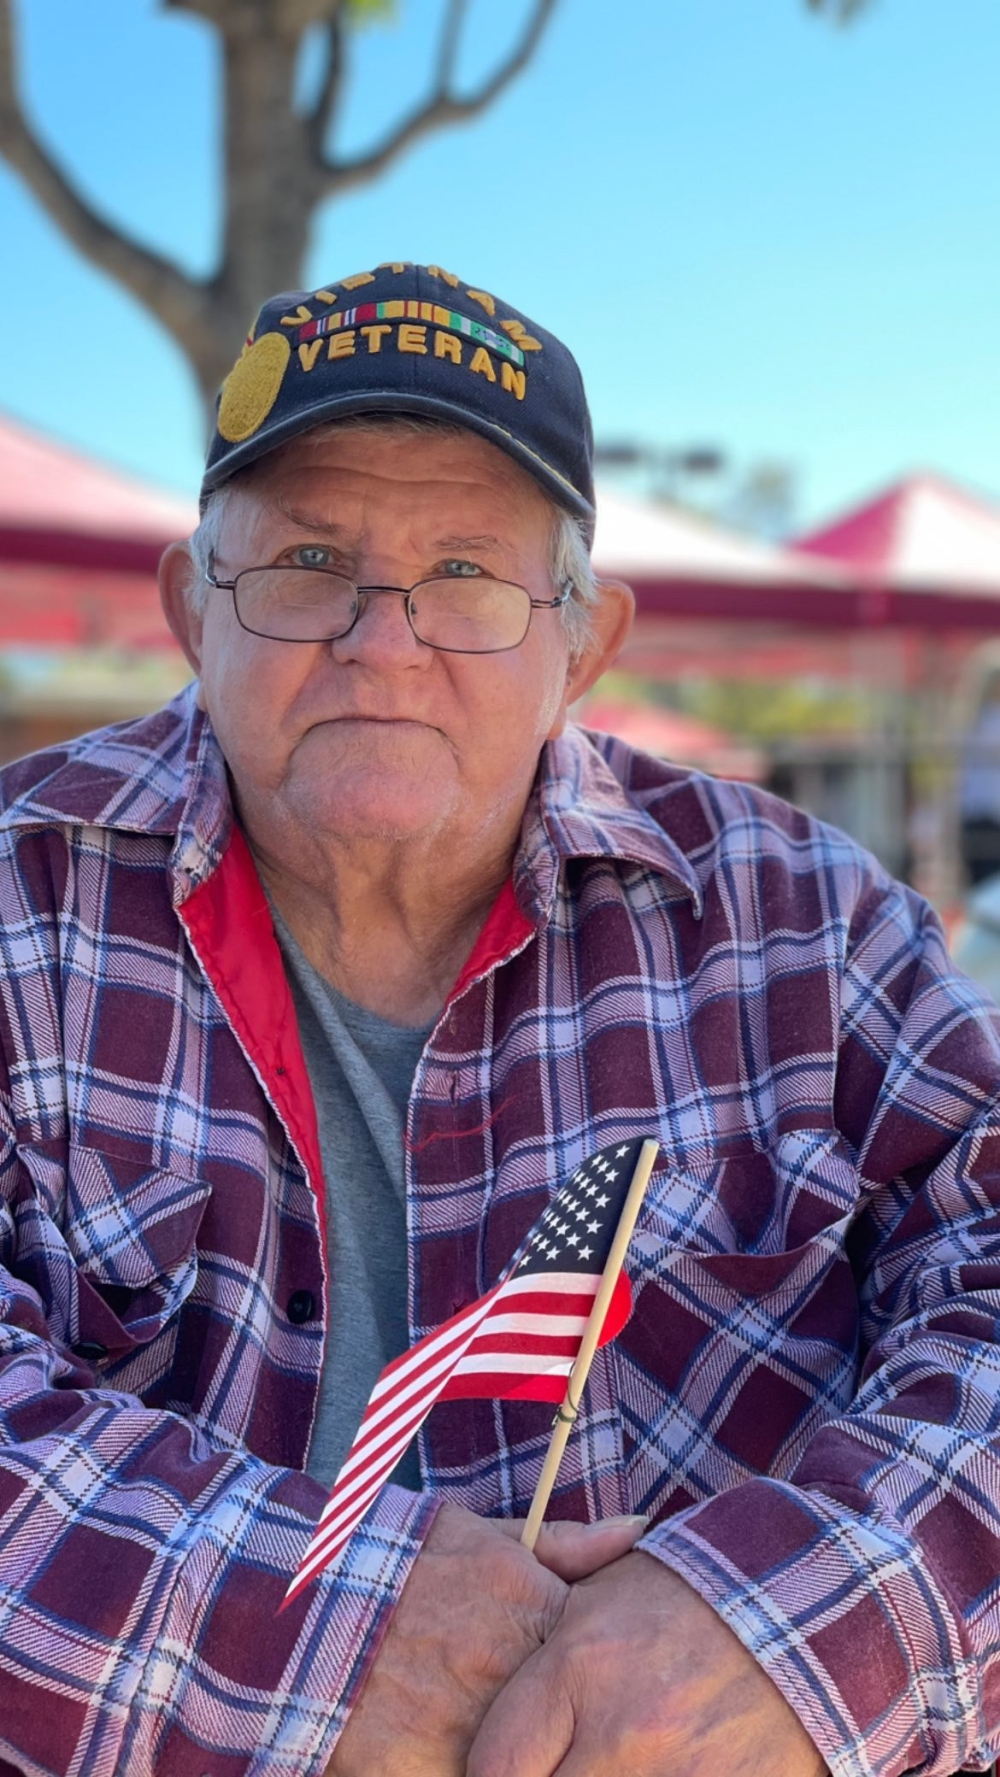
x=368 y=12
x=764 y=711
x=767 y=711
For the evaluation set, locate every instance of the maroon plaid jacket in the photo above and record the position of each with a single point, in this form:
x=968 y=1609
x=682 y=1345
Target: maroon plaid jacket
x=806 y=1396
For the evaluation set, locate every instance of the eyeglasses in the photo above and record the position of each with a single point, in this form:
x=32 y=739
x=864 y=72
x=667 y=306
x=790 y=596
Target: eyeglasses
x=456 y=615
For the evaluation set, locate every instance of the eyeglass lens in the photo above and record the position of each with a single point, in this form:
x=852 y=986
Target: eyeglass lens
x=468 y=616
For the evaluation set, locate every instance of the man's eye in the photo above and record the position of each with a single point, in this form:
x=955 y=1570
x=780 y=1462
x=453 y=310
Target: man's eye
x=312 y=555
x=458 y=567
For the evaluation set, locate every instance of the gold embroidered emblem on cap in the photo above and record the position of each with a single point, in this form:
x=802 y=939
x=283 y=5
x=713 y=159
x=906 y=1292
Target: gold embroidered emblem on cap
x=486 y=302
x=251 y=388
x=301 y=314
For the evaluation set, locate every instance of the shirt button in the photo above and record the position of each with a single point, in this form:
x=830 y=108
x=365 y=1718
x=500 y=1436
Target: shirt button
x=91 y=1349
x=301 y=1307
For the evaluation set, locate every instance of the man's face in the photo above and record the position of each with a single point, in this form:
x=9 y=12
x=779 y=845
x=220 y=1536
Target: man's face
x=376 y=735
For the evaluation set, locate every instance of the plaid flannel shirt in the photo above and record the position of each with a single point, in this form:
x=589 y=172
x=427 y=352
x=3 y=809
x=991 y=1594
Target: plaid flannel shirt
x=805 y=1398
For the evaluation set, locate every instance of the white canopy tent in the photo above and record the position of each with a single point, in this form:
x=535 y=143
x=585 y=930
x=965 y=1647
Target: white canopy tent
x=667 y=547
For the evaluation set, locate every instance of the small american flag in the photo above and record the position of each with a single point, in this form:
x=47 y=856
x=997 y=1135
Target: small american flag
x=518 y=1341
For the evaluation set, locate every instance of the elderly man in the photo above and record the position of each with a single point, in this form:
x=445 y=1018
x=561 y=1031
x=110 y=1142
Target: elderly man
x=314 y=986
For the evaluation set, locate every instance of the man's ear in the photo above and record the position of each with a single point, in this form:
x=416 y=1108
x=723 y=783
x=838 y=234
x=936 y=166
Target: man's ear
x=610 y=622
x=177 y=572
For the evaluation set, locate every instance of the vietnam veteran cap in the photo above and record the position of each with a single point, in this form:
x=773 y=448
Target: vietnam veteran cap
x=408 y=339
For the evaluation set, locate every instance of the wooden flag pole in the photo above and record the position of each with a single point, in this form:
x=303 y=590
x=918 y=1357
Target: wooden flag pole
x=569 y=1411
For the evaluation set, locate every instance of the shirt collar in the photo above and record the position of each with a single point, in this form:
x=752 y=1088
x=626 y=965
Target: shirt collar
x=584 y=806
x=163 y=774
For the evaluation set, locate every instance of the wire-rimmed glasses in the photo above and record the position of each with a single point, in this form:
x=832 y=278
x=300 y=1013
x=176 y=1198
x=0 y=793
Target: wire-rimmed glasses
x=457 y=614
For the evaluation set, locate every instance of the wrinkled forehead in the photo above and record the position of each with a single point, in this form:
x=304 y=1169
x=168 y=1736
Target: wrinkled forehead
x=393 y=462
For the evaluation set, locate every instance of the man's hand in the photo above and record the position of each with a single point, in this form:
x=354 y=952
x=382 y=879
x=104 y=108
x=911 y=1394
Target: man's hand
x=641 y=1678
x=475 y=1606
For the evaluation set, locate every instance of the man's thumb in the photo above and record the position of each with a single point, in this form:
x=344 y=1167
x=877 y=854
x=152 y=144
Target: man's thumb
x=574 y=1550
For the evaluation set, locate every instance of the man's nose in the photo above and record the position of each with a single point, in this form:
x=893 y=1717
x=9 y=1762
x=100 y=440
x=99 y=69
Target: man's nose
x=381 y=632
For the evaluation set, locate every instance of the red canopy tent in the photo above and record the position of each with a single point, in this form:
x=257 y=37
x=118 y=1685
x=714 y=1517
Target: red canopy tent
x=924 y=554
x=712 y=602
x=682 y=565
x=925 y=551
x=79 y=544
x=919 y=567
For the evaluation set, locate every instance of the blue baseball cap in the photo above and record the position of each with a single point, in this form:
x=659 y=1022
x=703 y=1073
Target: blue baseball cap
x=408 y=339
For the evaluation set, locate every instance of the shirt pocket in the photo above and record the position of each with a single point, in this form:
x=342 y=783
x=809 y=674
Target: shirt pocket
x=744 y=1333
x=766 y=1223
x=131 y=1231
x=758 y=1203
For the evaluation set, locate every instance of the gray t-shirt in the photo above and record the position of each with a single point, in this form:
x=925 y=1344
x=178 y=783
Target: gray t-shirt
x=361 y=1070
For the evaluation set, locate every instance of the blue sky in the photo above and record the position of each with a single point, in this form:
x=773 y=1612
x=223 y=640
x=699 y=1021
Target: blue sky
x=753 y=229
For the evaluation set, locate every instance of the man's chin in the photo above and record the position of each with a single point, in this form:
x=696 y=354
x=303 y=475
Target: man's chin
x=373 y=806
x=371 y=780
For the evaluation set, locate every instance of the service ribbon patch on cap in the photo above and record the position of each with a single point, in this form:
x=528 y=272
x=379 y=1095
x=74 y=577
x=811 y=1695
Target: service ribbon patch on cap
x=397 y=310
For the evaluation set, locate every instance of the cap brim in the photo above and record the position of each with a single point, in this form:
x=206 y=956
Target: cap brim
x=269 y=438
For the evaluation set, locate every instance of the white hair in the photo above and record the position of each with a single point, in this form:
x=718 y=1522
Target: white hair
x=569 y=548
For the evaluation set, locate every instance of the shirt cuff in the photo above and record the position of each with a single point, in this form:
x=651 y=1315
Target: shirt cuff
x=839 y=1608
x=282 y=1684
x=357 y=1602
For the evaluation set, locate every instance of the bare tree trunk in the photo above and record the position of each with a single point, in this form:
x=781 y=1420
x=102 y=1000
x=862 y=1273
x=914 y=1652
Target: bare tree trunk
x=272 y=187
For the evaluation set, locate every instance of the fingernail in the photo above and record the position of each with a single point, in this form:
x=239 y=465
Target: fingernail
x=627 y=1521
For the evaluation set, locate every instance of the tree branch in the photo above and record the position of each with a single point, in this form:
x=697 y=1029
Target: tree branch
x=209 y=10
x=843 y=11
x=332 y=85
x=450 y=39
x=443 y=108
x=158 y=282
